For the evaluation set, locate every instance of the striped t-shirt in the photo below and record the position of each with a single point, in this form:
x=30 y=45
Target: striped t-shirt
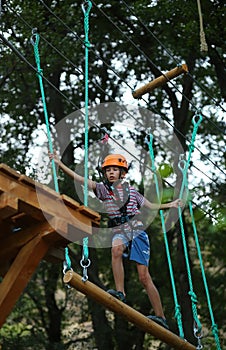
x=136 y=200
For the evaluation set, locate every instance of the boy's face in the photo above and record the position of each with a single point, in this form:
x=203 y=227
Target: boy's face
x=113 y=173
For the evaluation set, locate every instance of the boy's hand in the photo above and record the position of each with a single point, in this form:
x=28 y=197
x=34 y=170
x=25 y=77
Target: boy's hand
x=177 y=203
x=54 y=156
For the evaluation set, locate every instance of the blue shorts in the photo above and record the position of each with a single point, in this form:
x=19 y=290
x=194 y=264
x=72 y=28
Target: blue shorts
x=139 y=248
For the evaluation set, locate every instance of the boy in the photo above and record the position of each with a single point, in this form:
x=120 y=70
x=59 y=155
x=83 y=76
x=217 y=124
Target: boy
x=122 y=203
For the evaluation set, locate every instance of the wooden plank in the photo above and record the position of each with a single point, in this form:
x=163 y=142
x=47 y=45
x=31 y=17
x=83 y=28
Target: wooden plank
x=113 y=304
x=60 y=233
x=55 y=255
x=31 y=210
x=37 y=186
x=6 y=170
x=70 y=202
x=36 y=203
x=8 y=205
x=5 y=228
x=19 y=275
x=50 y=205
x=53 y=231
x=27 y=181
x=160 y=81
x=89 y=212
x=12 y=243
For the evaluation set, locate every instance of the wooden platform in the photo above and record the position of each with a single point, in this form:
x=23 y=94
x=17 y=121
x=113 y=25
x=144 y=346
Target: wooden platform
x=35 y=223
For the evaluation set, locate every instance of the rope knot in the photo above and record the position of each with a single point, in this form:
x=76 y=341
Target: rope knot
x=214 y=329
x=191 y=147
x=40 y=72
x=87 y=44
x=193 y=297
x=177 y=311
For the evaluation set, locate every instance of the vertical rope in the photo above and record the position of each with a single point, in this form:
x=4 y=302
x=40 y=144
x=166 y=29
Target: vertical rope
x=35 y=42
x=183 y=166
x=203 y=44
x=196 y=124
x=214 y=325
x=86 y=7
x=177 y=314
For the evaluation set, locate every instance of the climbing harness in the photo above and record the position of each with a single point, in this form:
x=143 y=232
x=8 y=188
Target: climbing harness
x=120 y=203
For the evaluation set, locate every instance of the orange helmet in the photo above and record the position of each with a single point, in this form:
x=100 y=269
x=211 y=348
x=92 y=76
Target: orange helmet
x=115 y=160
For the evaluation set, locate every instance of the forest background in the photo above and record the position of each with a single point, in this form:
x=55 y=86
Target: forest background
x=131 y=42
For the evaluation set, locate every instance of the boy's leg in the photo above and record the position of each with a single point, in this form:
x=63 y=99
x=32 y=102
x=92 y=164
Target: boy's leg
x=117 y=264
x=153 y=294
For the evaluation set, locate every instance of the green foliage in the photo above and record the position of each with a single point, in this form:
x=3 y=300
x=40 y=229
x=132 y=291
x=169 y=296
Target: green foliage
x=167 y=34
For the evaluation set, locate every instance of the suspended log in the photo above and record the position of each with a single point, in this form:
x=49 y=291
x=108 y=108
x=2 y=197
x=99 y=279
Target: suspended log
x=100 y=296
x=173 y=73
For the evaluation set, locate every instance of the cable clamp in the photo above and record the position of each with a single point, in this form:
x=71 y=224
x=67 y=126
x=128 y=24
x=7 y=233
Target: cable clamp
x=198 y=335
x=197 y=118
x=34 y=37
x=85 y=263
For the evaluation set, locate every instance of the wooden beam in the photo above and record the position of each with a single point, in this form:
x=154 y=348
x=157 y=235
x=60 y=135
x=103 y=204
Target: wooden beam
x=12 y=243
x=113 y=304
x=45 y=201
x=8 y=205
x=160 y=81
x=19 y=275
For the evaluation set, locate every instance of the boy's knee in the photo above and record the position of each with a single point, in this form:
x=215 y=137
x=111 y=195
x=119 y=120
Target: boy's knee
x=117 y=251
x=144 y=277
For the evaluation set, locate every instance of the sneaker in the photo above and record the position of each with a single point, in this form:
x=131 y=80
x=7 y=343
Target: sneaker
x=117 y=294
x=160 y=320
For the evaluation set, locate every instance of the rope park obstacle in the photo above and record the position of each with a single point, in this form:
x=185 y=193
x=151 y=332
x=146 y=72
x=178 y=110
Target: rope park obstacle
x=81 y=283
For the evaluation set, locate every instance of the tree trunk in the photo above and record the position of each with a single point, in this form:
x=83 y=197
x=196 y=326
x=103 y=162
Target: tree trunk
x=184 y=288
x=102 y=329
x=54 y=313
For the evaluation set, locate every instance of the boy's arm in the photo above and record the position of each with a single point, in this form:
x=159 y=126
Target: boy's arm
x=153 y=206
x=71 y=173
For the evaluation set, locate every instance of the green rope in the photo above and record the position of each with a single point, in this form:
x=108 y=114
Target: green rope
x=184 y=187
x=86 y=7
x=67 y=259
x=191 y=148
x=214 y=326
x=184 y=170
x=177 y=314
x=35 y=41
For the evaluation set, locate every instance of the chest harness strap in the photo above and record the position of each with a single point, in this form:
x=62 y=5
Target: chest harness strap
x=115 y=196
